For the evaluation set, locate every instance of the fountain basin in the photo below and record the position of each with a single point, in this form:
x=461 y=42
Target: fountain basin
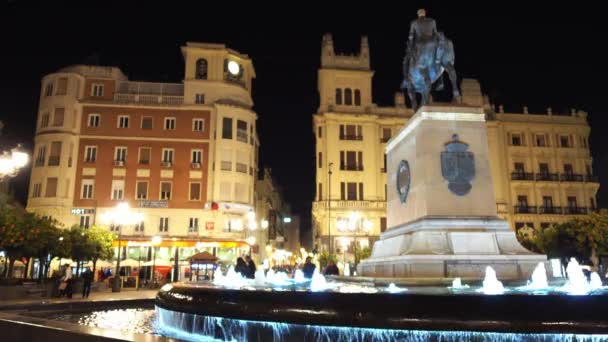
x=403 y=311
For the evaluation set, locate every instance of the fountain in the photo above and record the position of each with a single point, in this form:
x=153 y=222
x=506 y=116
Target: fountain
x=299 y=277
x=457 y=284
x=392 y=288
x=577 y=283
x=491 y=285
x=539 y=279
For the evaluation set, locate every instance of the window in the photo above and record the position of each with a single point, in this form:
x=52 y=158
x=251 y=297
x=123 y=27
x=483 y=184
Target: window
x=241 y=131
x=165 y=191
x=320 y=132
x=90 y=154
x=357 y=97
x=193 y=225
x=568 y=170
x=146 y=122
x=51 y=187
x=97 y=89
x=44 y=120
x=338 y=96
x=54 y=157
x=118 y=189
x=144 y=155
x=320 y=160
x=195 y=191
x=93 y=120
x=201 y=69
x=167 y=156
x=564 y=141
x=85 y=221
x=351 y=132
x=543 y=168
x=519 y=168
x=41 y=156
x=241 y=161
x=227 y=128
x=516 y=140
x=541 y=140
x=170 y=124
x=120 y=155
x=139 y=227
x=62 y=86
x=197 y=157
x=199 y=98
x=382 y=224
x=522 y=201
x=58 y=117
x=114 y=228
x=360 y=191
x=320 y=192
x=348 y=191
x=348 y=97
x=87 y=188
x=384 y=165
x=198 y=125
x=583 y=141
x=36 y=190
x=386 y=134
x=351 y=189
x=351 y=160
x=48 y=90
x=141 y=190
x=163 y=226
x=572 y=202
x=123 y=121
x=547 y=201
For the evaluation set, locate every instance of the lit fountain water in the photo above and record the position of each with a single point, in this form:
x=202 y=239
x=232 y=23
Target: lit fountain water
x=457 y=284
x=538 y=281
x=299 y=277
x=491 y=285
x=577 y=282
x=392 y=288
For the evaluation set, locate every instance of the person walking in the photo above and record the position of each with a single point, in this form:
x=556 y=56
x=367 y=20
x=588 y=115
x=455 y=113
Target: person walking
x=87 y=276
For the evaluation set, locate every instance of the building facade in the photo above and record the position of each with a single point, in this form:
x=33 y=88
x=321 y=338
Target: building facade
x=541 y=163
x=182 y=154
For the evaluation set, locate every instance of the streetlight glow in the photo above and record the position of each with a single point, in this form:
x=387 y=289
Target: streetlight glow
x=264 y=224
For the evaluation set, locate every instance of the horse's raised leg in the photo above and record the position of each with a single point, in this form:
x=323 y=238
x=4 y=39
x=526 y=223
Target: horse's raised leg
x=427 y=86
x=412 y=95
x=449 y=67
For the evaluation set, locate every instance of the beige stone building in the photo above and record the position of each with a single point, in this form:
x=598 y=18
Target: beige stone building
x=540 y=163
x=182 y=154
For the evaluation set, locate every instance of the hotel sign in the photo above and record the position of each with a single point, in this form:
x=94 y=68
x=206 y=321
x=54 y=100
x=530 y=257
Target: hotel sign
x=153 y=204
x=82 y=211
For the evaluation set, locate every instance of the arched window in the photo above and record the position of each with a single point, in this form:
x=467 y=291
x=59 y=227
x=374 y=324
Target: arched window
x=348 y=97
x=357 y=97
x=201 y=69
x=338 y=96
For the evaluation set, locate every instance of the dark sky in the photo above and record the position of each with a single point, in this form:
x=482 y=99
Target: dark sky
x=546 y=56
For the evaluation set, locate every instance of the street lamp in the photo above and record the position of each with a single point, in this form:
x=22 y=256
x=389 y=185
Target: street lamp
x=11 y=163
x=119 y=216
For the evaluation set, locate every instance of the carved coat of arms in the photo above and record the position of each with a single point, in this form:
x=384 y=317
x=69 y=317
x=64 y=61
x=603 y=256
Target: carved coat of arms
x=458 y=166
x=403 y=180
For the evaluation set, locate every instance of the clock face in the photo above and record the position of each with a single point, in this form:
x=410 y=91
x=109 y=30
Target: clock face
x=234 y=68
x=403 y=180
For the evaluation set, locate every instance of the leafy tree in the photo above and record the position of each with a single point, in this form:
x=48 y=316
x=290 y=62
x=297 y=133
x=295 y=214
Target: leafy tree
x=325 y=258
x=101 y=241
x=11 y=238
x=362 y=253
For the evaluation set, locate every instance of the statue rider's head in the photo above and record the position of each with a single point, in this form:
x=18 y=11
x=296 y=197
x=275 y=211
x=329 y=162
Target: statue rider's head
x=421 y=13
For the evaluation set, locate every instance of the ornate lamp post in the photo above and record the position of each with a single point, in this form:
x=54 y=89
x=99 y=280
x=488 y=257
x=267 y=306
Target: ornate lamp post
x=119 y=216
x=11 y=163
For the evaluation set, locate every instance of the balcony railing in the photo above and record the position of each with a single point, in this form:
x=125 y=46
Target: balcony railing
x=339 y=204
x=350 y=137
x=525 y=209
x=351 y=167
x=575 y=210
x=226 y=166
x=570 y=177
x=240 y=167
x=522 y=176
x=591 y=179
x=149 y=99
x=547 y=177
x=549 y=210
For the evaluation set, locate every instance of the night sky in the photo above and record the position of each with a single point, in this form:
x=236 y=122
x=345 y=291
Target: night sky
x=538 y=57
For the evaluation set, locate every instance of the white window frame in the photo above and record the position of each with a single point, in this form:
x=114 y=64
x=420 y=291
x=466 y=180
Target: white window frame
x=139 y=155
x=118 y=188
x=87 y=189
x=163 y=225
x=85 y=221
x=200 y=189
x=199 y=98
x=160 y=191
x=36 y=190
x=97 y=89
x=199 y=153
x=193 y=225
x=45 y=119
x=168 y=126
x=198 y=122
x=86 y=153
x=165 y=153
x=93 y=116
x=118 y=154
x=142 y=122
x=147 y=190
x=119 y=121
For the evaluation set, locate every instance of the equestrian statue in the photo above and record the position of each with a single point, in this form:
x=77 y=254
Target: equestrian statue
x=428 y=54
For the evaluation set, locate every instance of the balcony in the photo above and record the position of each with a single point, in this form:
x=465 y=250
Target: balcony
x=527 y=176
x=547 y=177
x=550 y=210
x=119 y=163
x=150 y=93
x=226 y=166
x=353 y=205
x=575 y=210
x=570 y=177
x=351 y=167
x=591 y=179
x=525 y=209
x=351 y=137
x=240 y=167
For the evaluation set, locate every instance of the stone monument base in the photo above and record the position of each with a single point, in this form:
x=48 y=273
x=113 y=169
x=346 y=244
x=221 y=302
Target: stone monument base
x=448 y=248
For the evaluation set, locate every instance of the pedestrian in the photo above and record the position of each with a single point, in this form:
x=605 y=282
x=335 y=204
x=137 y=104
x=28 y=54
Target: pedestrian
x=241 y=267
x=309 y=268
x=87 y=276
x=251 y=268
x=332 y=269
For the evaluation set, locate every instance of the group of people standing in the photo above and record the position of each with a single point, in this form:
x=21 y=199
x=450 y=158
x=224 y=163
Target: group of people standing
x=246 y=267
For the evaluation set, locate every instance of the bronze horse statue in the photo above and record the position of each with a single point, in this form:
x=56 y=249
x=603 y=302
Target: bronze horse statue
x=424 y=65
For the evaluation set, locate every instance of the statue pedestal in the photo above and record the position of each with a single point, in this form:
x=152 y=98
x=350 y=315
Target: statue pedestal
x=441 y=208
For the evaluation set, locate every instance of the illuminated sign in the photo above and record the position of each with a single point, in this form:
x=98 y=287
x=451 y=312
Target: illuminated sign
x=82 y=211
x=286 y=219
x=209 y=225
x=153 y=204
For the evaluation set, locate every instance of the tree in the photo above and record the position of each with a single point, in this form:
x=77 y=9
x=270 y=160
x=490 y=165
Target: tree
x=11 y=238
x=101 y=241
x=325 y=258
x=81 y=247
x=361 y=254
